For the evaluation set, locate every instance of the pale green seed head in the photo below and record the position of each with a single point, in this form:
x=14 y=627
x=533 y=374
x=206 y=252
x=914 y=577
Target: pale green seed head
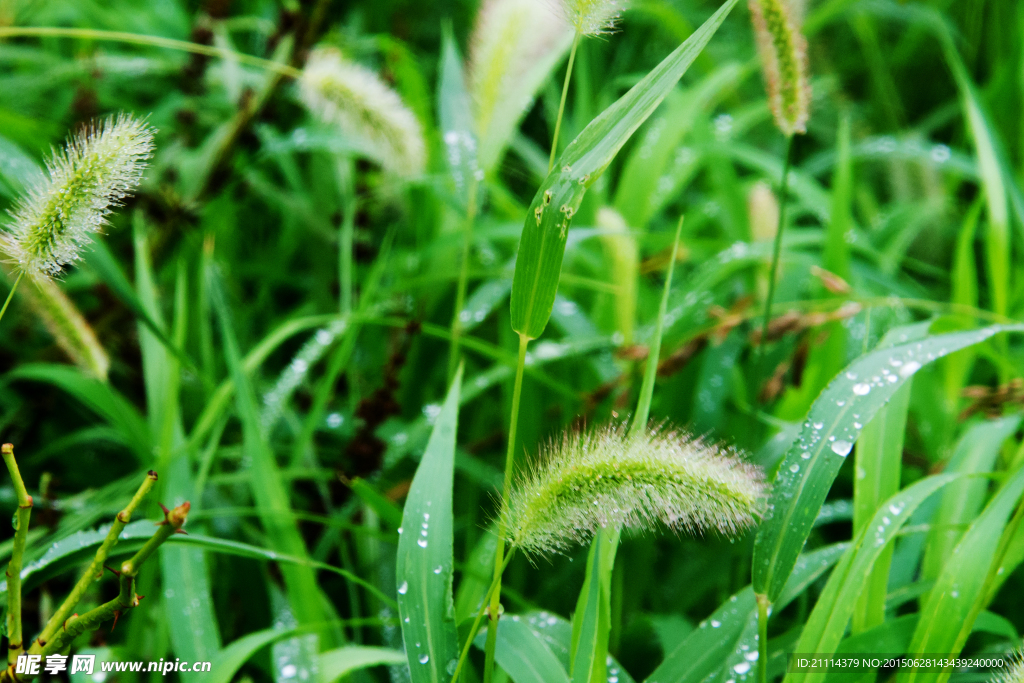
x=352 y=97
x=783 y=51
x=97 y=168
x=594 y=479
x=593 y=17
x=1014 y=670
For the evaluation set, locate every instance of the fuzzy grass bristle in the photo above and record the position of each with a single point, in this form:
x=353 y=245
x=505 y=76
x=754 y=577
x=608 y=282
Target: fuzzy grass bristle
x=593 y=17
x=352 y=97
x=96 y=169
x=783 y=51
x=514 y=46
x=1014 y=670
x=592 y=479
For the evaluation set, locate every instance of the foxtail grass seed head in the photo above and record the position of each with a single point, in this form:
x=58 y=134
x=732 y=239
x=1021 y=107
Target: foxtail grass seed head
x=783 y=51
x=352 y=97
x=513 y=48
x=66 y=324
x=1014 y=670
x=592 y=479
x=96 y=170
x=593 y=17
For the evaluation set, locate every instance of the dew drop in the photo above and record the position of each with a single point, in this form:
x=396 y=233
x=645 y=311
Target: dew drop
x=438 y=569
x=422 y=543
x=715 y=623
x=842 y=447
x=861 y=389
x=424 y=659
x=794 y=468
x=404 y=588
x=819 y=425
x=742 y=668
x=910 y=368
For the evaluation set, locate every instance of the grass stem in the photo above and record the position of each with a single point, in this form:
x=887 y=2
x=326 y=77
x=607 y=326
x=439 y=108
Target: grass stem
x=499 y=554
x=95 y=568
x=643 y=409
x=10 y=294
x=15 y=640
x=776 y=254
x=495 y=583
x=762 y=638
x=561 y=103
x=346 y=233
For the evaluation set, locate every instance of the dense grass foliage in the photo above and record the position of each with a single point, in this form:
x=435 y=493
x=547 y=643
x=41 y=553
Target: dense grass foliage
x=359 y=301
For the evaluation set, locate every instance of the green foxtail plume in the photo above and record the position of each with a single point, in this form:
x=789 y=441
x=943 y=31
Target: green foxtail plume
x=783 y=51
x=68 y=326
x=593 y=17
x=352 y=97
x=96 y=170
x=514 y=46
x=1014 y=671
x=594 y=479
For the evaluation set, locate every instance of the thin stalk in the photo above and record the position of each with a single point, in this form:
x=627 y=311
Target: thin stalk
x=126 y=597
x=16 y=643
x=346 y=233
x=561 y=104
x=10 y=295
x=643 y=408
x=95 y=569
x=495 y=583
x=762 y=638
x=460 y=289
x=776 y=253
x=152 y=41
x=499 y=554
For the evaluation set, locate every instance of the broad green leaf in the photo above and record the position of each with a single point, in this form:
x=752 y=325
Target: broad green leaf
x=536 y=649
x=591 y=622
x=975 y=453
x=522 y=651
x=229 y=660
x=542 y=245
x=832 y=427
x=337 y=663
x=639 y=192
x=827 y=624
x=879 y=456
x=718 y=641
x=425 y=555
x=959 y=593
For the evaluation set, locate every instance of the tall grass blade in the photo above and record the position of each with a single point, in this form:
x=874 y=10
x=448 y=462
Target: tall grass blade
x=591 y=623
x=827 y=624
x=268 y=489
x=877 y=477
x=975 y=453
x=959 y=594
x=523 y=651
x=425 y=555
x=832 y=427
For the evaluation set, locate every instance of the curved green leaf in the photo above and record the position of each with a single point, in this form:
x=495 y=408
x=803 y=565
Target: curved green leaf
x=959 y=594
x=827 y=624
x=833 y=425
x=337 y=663
x=425 y=558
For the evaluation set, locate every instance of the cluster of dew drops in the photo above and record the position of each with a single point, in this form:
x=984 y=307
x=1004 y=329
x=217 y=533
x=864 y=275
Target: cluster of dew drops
x=439 y=569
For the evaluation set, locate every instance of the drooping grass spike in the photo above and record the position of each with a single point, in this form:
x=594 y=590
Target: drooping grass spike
x=607 y=477
x=97 y=168
x=783 y=51
x=352 y=97
x=593 y=17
